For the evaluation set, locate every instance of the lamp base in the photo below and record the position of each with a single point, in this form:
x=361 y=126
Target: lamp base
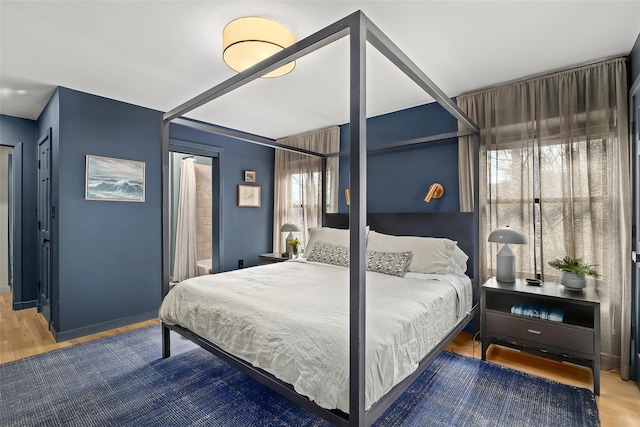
x=289 y=248
x=506 y=265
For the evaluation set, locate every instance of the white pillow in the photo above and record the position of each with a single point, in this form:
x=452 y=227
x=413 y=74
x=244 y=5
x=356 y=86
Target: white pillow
x=332 y=236
x=458 y=264
x=430 y=255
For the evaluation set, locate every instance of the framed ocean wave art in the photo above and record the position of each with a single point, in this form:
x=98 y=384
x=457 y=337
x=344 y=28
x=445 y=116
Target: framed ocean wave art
x=112 y=179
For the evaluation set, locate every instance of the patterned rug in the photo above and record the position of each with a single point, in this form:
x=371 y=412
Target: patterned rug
x=123 y=381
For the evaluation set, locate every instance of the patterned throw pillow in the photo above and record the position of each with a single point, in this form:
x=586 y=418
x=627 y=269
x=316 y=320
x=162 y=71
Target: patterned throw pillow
x=393 y=263
x=329 y=254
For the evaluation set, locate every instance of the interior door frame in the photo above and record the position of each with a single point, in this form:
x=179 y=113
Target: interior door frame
x=16 y=171
x=634 y=134
x=216 y=154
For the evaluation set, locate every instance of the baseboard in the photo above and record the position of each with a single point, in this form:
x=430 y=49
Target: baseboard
x=5 y=289
x=101 y=327
x=22 y=305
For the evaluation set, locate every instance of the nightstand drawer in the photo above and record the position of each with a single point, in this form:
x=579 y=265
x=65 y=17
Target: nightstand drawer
x=561 y=336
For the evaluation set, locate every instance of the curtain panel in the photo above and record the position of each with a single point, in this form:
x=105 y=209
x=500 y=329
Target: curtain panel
x=185 y=264
x=555 y=163
x=298 y=180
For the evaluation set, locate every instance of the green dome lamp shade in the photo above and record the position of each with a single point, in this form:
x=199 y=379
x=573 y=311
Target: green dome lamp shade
x=506 y=259
x=249 y=40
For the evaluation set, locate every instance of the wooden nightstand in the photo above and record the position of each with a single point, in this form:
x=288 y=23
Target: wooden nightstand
x=264 y=259
x=576 y=339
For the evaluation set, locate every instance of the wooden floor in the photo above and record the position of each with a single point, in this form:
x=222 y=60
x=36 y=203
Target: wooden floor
x=24 y=333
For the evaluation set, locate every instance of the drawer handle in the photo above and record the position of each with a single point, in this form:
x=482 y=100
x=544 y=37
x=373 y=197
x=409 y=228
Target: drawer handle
x=533 y=331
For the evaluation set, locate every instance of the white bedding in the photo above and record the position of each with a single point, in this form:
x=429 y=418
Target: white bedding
x=291 y=320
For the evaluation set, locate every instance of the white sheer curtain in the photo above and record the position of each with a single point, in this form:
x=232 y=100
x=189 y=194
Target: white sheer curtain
x=555 y=163
x=298 y=180
x=185 y=260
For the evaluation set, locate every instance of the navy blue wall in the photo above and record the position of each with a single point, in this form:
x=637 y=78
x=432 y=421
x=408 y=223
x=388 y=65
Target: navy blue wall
x=398 y=180
x=107 y=253
x=106 y=257
x=634 y=60
x=246 y=232
x=14 y=131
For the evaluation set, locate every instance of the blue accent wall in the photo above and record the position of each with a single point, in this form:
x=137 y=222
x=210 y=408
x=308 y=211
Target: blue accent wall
x=634 y=61
x=14 y=131
x=398 y=180
x=245 y=232
x=106 y=255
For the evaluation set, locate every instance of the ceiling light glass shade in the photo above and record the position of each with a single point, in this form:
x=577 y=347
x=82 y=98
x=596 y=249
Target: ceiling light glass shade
x=252 y=39
x=507 y=235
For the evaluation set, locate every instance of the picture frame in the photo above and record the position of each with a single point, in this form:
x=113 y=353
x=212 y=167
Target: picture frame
x=116 y=180
x=249 y=196
x=249 y=176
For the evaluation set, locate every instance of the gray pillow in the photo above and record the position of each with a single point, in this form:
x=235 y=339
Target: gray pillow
x=329 y=254
x=393 y=263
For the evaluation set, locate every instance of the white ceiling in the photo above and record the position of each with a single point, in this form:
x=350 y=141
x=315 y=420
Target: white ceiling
x=159 y=54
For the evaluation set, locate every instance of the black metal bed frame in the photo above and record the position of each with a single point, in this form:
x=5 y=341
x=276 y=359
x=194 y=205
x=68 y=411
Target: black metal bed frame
x=360 y=31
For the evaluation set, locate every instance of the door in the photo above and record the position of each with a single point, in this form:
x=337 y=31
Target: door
x=44 y=224
x=634 y=104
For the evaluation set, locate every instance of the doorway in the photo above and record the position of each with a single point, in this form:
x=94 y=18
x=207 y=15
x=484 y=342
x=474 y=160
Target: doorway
x=634 y=116
x=12 y=152
x=6 y=220
x=194 y=194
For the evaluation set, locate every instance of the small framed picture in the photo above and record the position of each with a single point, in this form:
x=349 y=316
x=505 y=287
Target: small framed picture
x=249 y=176
x=249 y=196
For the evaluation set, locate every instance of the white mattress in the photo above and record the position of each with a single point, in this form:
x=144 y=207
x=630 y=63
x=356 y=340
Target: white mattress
x=291 y=320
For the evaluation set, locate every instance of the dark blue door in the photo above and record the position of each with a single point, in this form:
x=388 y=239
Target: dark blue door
x=44 y=225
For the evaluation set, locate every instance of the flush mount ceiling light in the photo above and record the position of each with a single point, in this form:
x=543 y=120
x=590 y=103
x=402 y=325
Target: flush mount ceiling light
x=249 y=40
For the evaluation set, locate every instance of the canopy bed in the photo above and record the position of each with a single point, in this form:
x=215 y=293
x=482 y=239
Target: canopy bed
x=356 y=405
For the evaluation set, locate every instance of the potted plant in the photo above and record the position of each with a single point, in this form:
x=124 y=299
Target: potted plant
x=573 y=272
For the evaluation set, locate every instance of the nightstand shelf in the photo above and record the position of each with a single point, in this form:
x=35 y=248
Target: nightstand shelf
x=575 y=339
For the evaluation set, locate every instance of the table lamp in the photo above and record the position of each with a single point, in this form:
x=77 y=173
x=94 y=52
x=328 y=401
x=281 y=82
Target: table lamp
x=290 y=227
x=506 y=265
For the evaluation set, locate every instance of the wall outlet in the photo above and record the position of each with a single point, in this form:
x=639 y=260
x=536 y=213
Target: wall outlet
x=240 y=263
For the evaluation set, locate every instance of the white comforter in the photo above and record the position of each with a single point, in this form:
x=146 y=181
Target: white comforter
x=291 y=319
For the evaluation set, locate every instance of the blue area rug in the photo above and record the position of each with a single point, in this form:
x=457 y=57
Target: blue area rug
x=123 y=381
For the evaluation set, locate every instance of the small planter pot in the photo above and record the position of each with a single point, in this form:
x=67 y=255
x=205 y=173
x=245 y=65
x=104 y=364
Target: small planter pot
x=572 y=281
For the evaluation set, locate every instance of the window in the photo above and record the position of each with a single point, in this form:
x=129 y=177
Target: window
x=527 y=189
x=305 y=197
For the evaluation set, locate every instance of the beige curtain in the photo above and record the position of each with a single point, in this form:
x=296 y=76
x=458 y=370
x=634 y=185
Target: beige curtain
x=185 y=264
x=555 y=164
x=298 y=180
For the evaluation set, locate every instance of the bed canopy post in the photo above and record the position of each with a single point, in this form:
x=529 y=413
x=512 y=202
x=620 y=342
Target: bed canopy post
x=164 y=136
x=357 y=219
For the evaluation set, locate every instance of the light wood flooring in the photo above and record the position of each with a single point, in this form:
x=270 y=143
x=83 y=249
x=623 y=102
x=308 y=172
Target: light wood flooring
x=24 y=333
